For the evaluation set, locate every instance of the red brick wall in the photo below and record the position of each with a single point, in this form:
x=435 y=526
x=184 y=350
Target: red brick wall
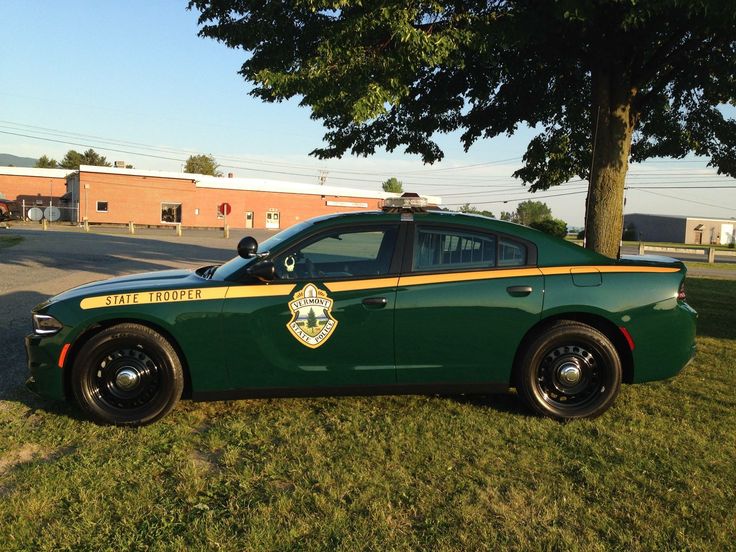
x=139 y=198
x=136 y=198
x=18 y=188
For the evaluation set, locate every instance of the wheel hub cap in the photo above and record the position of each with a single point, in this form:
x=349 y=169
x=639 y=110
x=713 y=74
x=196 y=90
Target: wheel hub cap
x=570 y=374
x=127 y=378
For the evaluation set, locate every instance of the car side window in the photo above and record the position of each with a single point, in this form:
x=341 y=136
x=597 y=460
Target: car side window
x=511 y=253
x=452 y=249
x=340 y=254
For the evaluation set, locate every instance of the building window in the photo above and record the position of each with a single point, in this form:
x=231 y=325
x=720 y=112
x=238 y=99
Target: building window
x=102 y=206
x=171 y=212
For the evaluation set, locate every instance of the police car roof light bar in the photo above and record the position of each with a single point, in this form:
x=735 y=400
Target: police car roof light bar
x=408 y=201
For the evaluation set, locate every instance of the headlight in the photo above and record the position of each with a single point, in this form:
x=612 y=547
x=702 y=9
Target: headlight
x=43 y=324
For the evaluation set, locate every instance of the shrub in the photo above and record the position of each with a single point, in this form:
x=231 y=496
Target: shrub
x=552 y=226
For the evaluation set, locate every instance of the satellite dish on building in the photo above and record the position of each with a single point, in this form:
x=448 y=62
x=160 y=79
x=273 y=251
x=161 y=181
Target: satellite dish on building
x=52 y=214
x=35 y=214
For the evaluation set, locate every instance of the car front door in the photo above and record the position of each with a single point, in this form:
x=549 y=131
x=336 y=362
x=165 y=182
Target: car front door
x=326 y=320
x=463 y=305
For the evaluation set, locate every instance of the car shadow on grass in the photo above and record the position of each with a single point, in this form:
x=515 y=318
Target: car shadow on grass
x=508 y=402
x=713 y=299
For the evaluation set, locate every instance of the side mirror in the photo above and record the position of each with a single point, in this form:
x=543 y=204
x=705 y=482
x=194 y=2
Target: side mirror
x=248 y=247
x=264 y=271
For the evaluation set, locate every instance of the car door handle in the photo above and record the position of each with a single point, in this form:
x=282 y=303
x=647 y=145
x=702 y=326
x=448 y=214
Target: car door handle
x=519 y=291
x=375 y=302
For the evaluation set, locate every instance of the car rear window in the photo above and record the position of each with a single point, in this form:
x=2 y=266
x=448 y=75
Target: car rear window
x=450 y=249
x=511 y=253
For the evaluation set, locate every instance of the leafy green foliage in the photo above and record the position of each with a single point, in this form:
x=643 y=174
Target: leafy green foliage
x=393 y=185
x=393 y=73
x=73 y=159
x=202 y=164
x=468 y=208
x=651 y=77
x=552 y=226
x=529 y=212
x=45 y=162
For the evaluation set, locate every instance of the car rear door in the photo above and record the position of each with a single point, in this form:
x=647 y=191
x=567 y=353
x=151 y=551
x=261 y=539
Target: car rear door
x=464 y=301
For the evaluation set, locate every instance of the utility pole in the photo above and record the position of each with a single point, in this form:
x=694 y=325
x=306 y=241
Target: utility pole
x=323 y=176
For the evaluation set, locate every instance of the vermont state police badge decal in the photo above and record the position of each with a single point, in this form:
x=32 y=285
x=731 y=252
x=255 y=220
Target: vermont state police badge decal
x=311 y=321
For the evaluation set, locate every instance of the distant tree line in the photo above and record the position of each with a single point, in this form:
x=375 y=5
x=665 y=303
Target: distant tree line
x=535 y=214
x=73 y=159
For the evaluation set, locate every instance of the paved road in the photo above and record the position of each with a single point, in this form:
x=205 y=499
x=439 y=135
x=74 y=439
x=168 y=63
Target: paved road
x=46 y=263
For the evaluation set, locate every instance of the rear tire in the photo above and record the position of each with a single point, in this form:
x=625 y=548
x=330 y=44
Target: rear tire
x=569 y=370
x=127 y=375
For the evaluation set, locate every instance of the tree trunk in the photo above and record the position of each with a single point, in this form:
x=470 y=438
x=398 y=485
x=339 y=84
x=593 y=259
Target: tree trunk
x=613 y=127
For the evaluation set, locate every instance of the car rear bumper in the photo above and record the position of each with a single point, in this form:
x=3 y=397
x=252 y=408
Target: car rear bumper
x=668 y=347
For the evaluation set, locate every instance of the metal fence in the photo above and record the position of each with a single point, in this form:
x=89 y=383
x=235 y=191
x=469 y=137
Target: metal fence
x=38 y=211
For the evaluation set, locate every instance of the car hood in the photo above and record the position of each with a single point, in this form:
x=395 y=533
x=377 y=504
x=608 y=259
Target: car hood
x=161 y=279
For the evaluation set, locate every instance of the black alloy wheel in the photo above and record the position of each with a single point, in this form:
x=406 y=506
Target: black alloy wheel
x=127 y=375
x=569 y=370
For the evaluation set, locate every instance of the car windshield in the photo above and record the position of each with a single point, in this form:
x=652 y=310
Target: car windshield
x=236 y=263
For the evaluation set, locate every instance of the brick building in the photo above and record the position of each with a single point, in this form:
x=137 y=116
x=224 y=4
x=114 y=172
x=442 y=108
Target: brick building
x=115 y=195
x=33 y=186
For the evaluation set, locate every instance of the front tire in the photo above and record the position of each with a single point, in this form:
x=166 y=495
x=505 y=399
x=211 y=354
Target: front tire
x=127 y=375
x=569 y=370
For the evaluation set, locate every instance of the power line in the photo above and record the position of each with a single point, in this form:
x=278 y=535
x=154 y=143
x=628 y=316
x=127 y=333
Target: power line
x=516 y=199
x=731 y=187
x=22 y=127
x=687 y=200
x=458 y=167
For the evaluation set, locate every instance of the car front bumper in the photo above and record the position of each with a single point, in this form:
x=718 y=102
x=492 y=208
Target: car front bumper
x=46 y=378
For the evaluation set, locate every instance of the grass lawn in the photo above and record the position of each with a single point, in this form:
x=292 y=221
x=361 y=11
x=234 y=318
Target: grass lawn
x=10 y=241
x=725 y=267
x=657 y=472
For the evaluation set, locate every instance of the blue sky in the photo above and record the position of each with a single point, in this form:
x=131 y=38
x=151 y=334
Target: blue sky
x=135 y=71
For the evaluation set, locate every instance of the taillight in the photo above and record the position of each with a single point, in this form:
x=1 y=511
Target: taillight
x=681 y=292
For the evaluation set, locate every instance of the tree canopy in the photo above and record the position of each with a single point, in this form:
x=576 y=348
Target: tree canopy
x=73 y=159
x=646 y=79
x=529 y=212
x=45 y=162
x=394 y=185
x=202 y=164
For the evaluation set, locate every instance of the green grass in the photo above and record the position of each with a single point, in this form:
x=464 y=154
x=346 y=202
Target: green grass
x=657 y=472
x=726 y=267
x=10 y=241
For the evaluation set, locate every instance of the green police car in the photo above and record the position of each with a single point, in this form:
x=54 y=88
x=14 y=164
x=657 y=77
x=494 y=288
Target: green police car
x=403 y=300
